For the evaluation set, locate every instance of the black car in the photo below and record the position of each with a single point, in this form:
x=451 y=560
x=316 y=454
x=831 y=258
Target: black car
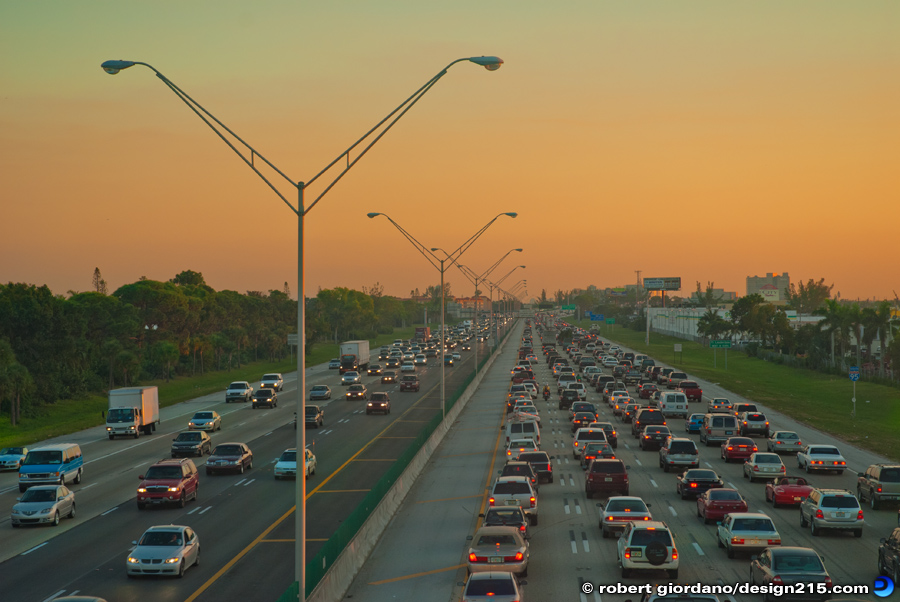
x=315 y=416
x=393 y=362
x=567 y=398
x=265 y=397
x=520 y=469
x=191 y=443
x=695 y=481
x=583 y=406
x=506 y=516
x=582 y=419
x=540 y=463
x=611 y=436
x=380 y=402
x=653 y=437
x=374 y=370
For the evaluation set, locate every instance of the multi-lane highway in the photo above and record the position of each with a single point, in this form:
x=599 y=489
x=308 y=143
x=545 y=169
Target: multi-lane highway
x=245 y=522
x=422 y=557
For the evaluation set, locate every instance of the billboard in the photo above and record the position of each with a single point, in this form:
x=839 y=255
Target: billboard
x=662 y=284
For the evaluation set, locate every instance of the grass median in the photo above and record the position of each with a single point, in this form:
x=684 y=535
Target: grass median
x=73 y=415
x=822 y=401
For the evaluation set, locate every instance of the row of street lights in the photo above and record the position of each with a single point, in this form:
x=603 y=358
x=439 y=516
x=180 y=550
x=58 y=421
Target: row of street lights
x=250 y=156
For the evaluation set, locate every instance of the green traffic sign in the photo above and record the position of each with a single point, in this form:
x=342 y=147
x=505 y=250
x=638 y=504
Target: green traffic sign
x=725 y=344
x=610 y=320
x=568 y=307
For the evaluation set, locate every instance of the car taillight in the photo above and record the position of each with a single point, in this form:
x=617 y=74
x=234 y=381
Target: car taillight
x=819 y=514
x=859 y=515
x=674 y=554
x=767 y=423
x=627 y=552
x=756 y=468
x=519 y=556
x=737 y=540
x=491 y=501
x=783 y=468
x=533 y=501
x=473 y=557
x=522 y=528
x=729 y=448
x=828 y=582
x=693 y=484
x=755 y=448
x=776 y=580
x=774 y=542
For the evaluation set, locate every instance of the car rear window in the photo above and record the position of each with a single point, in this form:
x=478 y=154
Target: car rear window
x=700 y=474
x=535 y=457
x=644 y=537
x=759 y=417
x=797 y=563
x=227 y=450
x=824 y=450
x=688 y=384
x=890 y=475
x=608 y=467
x=682 y=447
x=491 y=587
x=626 y=505
x=753 y=524
x=840 y=501
x=511 y=487
x=597 y=435
x=725 y=495
x=740 y=441
x=505 y=515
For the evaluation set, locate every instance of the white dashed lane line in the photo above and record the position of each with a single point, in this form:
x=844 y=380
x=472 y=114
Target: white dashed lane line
x=698 y=548
x=652 y=482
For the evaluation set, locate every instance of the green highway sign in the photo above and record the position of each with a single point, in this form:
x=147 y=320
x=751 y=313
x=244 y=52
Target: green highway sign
x=720 y=344
x=610 y=320
x=568 y=307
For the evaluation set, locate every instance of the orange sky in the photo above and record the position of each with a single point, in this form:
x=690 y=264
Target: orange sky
x=708 y=140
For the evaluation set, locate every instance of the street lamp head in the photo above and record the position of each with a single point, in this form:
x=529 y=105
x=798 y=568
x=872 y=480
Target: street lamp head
x=373 y=214
x=521 y=266
x=511 y=214
x=519 y=250
x=435 y=248
x=491 y=63
x=113 y=67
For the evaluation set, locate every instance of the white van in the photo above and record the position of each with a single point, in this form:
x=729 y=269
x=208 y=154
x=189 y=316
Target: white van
x=526 y=429
x=673 y=404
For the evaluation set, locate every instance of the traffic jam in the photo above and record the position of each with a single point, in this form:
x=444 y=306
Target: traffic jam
x=634 y=431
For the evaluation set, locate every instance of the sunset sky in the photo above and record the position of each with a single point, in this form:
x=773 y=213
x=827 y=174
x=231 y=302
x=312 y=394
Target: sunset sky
x=711 y=140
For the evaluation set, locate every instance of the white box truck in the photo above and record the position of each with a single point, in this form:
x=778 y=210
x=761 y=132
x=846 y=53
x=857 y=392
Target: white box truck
x=132 y=411
x=354 y=355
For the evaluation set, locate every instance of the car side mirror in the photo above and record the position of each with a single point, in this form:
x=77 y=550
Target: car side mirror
x=627 y=467
x=481 y=515
x=463 y=584
x=649 y=505
x=469 y=538
x=134 y=543
x=718 y=522
x=141 y=478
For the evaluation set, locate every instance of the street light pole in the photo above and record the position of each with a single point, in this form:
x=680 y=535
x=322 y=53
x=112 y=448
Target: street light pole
x=249 y=155
x=497 y=284
x=434 y=260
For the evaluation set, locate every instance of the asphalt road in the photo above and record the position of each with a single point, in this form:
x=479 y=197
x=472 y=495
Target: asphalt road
x=244 y=522
x=422 y=556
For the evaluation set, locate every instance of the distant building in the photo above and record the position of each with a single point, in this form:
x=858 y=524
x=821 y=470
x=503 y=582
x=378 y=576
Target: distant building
x=755 y=285
x=771 y=293
x=719 y=293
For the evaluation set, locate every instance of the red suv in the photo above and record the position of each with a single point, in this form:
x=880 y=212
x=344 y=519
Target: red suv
x=606 y=475
x=169 y=481
x=409 y=382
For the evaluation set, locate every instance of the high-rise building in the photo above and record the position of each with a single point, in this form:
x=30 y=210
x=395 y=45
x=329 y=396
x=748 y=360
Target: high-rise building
x=763 y=285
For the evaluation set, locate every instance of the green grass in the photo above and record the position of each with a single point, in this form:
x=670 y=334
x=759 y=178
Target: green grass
x=820 y=400
x=73 y=415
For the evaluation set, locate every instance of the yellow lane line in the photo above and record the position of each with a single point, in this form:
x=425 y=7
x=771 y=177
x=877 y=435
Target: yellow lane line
x=395 y=437
x=342 y=490
x=450 y=499
x=269 y=529
x=490 y=476
x=422 y=574
x=375 y=460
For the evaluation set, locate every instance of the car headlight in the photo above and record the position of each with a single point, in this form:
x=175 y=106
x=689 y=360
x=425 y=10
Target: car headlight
x=109 y=428
x=173 y=488
x=142 y=490
x=133 y=560
x=370 y=403
x=46 y=510
x=173 y=560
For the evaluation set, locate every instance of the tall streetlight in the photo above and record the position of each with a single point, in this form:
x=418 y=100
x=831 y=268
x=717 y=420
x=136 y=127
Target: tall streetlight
x=249 y=155
x=475 y=279
x=440 y=264
x=497 y=286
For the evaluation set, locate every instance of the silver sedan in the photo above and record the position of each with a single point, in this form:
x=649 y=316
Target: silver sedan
x=498 y=549
x=164 y=550
x=205 y=421
x=44 y=504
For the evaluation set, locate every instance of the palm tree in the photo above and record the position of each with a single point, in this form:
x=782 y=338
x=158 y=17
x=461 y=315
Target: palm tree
x=855 y=319
x=878 y=321
x=837 y=323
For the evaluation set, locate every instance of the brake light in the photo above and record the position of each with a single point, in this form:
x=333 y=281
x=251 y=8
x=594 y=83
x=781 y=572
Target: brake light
x=879 y=490
x=828 y=582
x=755 y=448
x=737 y=540
x=473 y=557
x=693 y=484
x=522 y=528
x=674 y=553
x=533 y=501
x=859 y=515
x=729 y=448
x=627 y=552
x=491 y=501
x=774 y=542
x=519 y=556
x=819 y=514
x=756 y=468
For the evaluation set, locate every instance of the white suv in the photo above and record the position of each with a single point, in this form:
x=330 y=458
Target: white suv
x=647 y=545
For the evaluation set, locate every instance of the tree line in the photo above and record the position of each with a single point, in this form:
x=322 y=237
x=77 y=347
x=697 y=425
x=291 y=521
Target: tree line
x=55 y=347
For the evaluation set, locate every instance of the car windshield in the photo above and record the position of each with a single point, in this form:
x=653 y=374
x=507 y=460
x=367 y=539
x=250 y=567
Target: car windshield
x=511 y=488
x=320 y=388
x=700 y=474
x=39 y=495
x=494 y=587
x=312 y=410
x=11 y=451
x=796 y=563
x=203 y=415
x=227 y=450
x=840 y=501
x=43 y=457
x=163 y=472
x=237 y=386
x=161 y=538
x=264 y=394
x=725 y=495
x=644 y=537
x=188 y=437
x=288 y=456
x=496 y=540
x=270 y=377
x=626 y=506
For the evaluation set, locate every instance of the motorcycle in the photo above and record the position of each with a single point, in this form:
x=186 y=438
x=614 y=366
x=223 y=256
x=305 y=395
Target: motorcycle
x=546 y=394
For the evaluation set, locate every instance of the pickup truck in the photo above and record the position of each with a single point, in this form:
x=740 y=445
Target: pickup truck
x=409 y=382
x=238 y=391
x=632 y=377
x=691 y=390
x=272 y=380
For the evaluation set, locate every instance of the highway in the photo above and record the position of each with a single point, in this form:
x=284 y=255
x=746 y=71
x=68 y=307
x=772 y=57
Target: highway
x=422 y=556
x=244 y=522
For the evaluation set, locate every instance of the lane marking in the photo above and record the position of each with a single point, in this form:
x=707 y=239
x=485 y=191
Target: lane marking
x=566 y=505
x=652 y=482
x=698 y=548
x=205 y=510
x=730 y=484
x=577 y=507
x=638 y=462
x=672 y=510
x=248 y=482
x=572 y=541
x=57 y=594
x=269 y=433
x=414 y=575
x=584 y=542
x=449 y=499
x=239 y=482
x=571 y=481
x=194 y=510
x=707 y=463
x=35 y=548
x=110 y=511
